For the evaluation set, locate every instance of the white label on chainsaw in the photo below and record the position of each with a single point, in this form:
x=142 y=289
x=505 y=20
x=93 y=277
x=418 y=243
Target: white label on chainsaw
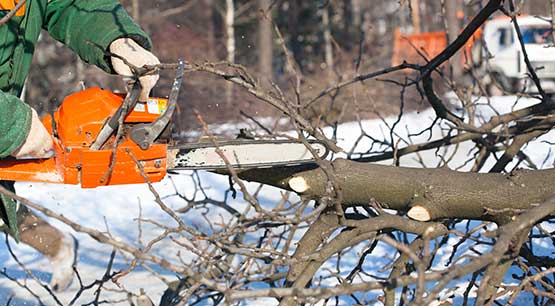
x=139 y=107
x=154 y=107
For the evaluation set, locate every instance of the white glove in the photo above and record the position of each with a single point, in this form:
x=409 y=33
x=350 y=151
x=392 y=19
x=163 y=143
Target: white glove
x=38 y=143
x=137 y=56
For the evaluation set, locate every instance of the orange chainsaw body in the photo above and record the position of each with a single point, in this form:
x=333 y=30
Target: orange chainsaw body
x=77 y=123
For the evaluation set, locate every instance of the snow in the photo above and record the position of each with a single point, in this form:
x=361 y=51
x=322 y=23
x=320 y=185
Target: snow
x=117 y=210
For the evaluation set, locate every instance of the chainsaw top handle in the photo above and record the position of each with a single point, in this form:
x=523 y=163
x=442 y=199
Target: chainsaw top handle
x=113 y=123
x=145 y=134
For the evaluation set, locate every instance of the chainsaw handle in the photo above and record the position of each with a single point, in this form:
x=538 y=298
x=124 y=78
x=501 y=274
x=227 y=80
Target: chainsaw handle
x=112 y=124
x=144 y=135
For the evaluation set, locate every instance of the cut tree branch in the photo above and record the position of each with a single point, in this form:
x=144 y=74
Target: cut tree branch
x=425 y=194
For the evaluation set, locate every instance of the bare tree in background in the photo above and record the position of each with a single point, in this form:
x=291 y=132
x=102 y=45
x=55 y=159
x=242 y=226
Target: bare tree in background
x=415 y=15
x=230 y=41
x=265 y=42
x=452 y=23
x=328 y=47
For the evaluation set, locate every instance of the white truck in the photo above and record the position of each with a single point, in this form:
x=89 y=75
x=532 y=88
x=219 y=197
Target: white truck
x=504 y=57
x=498 y=60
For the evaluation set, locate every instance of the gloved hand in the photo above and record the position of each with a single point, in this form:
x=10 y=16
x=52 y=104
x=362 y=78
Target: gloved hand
x=138 y=56
x=38 y=143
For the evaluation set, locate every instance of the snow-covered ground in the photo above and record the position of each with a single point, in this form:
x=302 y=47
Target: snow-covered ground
x=116 y=209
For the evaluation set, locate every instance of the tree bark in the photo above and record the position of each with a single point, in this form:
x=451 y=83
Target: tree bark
x=426 y=194
x=230 y=30
x=293 y=26
x=135 y=10
x=265 y=43
x=206 y=10
x=230 y=42
x=453 y=30
x=328 y=48
x=415 y=14
x=356 y=14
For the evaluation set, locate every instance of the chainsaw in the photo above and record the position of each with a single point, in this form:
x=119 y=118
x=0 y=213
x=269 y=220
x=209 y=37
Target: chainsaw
x=102 y=138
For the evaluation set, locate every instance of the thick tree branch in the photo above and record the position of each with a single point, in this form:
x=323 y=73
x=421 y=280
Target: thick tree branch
x=425 y=194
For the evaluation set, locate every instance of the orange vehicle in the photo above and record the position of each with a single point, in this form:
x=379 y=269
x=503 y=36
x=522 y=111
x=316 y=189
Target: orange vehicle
x=417 y=48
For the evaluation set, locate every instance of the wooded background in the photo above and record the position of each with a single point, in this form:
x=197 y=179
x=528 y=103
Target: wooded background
x=330 y=41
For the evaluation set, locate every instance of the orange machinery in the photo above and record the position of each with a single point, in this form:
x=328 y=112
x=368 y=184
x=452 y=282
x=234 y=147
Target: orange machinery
x=406 y=47
x=83 y=131
x=75 y=127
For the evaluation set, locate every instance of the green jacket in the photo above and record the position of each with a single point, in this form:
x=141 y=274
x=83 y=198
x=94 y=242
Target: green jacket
x=86 y=26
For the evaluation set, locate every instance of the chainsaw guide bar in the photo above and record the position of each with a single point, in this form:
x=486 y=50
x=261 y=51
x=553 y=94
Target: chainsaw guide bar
x=244 y=154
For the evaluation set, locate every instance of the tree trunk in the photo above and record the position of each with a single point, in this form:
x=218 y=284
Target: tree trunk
x=415 y=14
x=135 y=11
x=230 y=30
x=265 y=43
x=453 y=30
x=293 y=14
x=206 y=10
x=328 y=47
x=230 y=42
x=356 y=14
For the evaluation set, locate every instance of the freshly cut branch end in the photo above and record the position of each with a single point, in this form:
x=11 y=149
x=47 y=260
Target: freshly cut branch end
x=298 y=184
x=419 y=213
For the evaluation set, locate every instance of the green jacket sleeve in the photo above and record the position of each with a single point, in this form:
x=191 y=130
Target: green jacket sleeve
x=89 y=26
x=15 y=122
